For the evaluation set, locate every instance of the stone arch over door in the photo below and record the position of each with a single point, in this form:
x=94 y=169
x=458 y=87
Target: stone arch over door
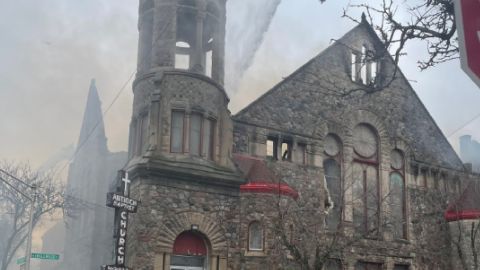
x=181 y=222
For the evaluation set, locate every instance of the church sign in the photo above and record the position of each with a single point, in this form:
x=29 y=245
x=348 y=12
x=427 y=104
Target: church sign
x=118 y=201
x=123 y=205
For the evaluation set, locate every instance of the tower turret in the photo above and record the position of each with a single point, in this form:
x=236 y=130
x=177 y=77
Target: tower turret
x=180 y=118
x=182 y=34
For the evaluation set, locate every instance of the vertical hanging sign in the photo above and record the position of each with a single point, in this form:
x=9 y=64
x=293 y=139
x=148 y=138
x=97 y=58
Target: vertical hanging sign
x=123 y=205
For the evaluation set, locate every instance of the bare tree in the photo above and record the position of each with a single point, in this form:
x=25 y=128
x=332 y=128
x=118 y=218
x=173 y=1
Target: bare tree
x=15 y=178
x=399 y=22
x=312 y=242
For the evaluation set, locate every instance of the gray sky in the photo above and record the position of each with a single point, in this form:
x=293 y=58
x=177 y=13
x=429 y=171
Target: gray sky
x=50 y=49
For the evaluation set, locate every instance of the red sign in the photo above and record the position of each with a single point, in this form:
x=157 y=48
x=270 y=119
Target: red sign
x=467 y=13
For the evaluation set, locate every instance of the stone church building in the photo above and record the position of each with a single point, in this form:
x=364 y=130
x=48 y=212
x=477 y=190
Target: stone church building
x=338 y=166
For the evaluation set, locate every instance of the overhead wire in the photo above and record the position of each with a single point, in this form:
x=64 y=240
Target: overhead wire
x=15 y=188
x=98 y=123
x=464 y=125
x=16 y=178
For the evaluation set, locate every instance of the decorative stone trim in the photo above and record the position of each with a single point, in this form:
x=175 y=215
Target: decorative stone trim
x=178 y=223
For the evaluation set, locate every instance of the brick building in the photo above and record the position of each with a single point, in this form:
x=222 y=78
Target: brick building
x=339 y=165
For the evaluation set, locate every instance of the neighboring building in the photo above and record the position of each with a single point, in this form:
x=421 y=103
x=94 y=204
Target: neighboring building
x=470 y=152
x=340 y=163
x=53 y=242
x=88 y=225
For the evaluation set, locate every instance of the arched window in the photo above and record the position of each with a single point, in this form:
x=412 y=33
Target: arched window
x=366 y=205
x=255 y=236
x=186 y=34
x=396 y=196
x=333 y=178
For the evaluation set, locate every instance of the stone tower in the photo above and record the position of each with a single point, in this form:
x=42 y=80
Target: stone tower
x=179 y=82
x=180 y=136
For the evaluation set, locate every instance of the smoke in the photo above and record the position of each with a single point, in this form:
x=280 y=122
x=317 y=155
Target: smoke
x=53 y=161
x=247 y=23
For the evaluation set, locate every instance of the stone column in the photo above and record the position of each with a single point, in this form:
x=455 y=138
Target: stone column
x=154 y=135
x=186 y=132
x=198 y=58
x=164 y=34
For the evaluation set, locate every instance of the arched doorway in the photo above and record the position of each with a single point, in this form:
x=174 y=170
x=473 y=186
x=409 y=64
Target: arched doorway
x=189 y=252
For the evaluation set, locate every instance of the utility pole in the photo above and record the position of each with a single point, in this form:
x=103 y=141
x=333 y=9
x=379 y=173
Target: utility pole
x=28 y=253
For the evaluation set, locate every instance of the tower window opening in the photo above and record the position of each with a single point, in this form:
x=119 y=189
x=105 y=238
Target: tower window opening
x=209 y=63
x=182 y=55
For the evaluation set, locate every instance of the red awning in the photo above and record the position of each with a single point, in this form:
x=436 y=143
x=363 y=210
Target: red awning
x=260 y=178
x=467 y=206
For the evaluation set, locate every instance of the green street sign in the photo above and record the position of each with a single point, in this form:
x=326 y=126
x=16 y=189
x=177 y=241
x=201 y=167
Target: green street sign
x=21 y=260
x=46 y=256
x=41 y=256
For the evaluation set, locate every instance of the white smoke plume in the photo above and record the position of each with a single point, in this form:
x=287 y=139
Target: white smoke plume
x=247 y=23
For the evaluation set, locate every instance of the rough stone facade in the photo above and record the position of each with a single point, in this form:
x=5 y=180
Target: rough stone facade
x=202 y=174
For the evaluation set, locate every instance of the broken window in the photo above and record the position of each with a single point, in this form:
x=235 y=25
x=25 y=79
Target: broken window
x=366 y=202
x=177 y=132
x=272 y=147
x=332 y=172
x=364 y=66
x=182 y=55
x=354 y=68
x=255 y=236
x=286 y=150
x=208 y=63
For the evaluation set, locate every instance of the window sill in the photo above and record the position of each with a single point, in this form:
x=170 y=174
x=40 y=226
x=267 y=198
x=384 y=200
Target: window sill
x=255 y=253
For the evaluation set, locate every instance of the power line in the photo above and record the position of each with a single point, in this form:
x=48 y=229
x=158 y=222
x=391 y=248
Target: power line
x=98 y=123
x=16 y=178
x=464 y=125
x=15 y=188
